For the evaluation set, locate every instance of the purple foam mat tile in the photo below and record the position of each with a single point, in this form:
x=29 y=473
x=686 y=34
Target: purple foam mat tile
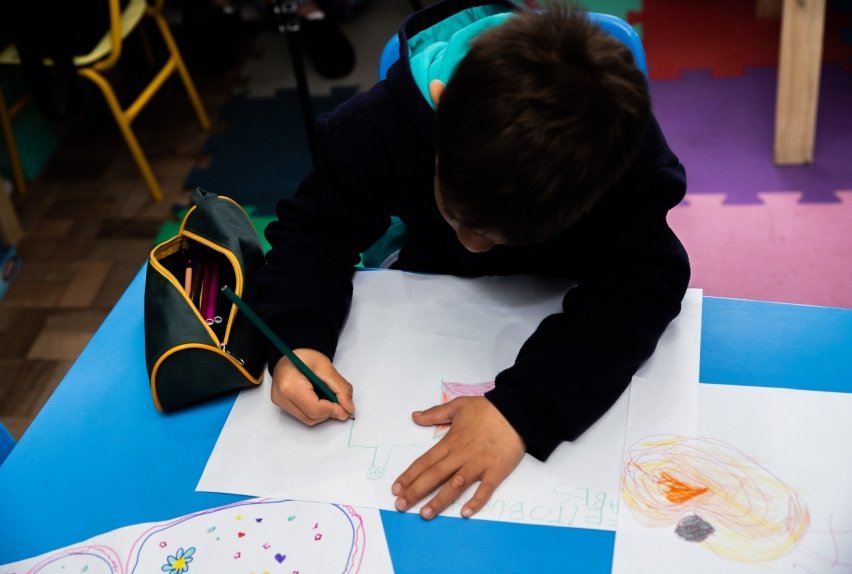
x=723 y=128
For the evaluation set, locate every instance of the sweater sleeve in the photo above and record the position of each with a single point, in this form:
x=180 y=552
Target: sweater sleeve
x=632 y=276
x=306 y=285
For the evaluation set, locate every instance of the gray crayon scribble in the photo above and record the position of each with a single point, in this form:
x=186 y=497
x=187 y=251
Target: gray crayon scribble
x=693 y=528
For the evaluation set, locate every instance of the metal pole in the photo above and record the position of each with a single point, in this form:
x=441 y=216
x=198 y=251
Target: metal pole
x=287 y=14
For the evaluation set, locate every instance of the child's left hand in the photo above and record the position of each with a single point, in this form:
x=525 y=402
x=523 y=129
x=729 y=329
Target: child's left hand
x=481 y=446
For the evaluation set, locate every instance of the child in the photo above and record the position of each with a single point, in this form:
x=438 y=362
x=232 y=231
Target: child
x=534 y=152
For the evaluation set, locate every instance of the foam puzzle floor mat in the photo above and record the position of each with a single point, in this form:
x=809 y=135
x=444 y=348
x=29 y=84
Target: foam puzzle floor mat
x=778 y=250
x=722 y=129
x=725 y=36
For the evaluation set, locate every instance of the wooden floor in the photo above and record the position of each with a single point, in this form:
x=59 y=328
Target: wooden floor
x=89 y=221
x=88 y=225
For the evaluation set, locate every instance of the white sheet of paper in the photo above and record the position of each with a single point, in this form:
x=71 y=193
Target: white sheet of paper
x=406 y=333
x=259 y=535
x=768 y=469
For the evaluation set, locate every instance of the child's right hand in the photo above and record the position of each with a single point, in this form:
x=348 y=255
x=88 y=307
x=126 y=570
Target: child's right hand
x=293 y=393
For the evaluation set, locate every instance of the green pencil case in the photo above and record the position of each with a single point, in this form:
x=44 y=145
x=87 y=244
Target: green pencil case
x=197 y=343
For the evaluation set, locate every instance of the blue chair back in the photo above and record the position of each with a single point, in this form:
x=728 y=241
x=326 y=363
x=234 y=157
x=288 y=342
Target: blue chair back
x=615 y=26
x=390 y=54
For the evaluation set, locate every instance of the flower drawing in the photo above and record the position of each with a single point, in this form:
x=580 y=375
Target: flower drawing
x=179 y=563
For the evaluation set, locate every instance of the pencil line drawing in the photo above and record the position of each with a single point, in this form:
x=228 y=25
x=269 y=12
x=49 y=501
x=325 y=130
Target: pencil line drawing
x=382 y=451
x=382 y=445
x=713 y=495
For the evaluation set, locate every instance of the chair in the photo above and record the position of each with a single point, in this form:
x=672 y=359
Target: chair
x=93 y=66
x=615 y=26
x=6 y=115
x=10 y=226
x=624 y=32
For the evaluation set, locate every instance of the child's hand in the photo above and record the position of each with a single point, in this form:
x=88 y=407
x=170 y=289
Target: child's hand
x=295 y=394
x=480 y=445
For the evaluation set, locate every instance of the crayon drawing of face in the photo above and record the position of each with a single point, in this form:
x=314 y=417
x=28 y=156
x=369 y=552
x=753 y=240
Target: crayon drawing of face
x=713 y=495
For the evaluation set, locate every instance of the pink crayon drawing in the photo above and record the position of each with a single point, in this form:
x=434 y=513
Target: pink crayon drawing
x=450 y=391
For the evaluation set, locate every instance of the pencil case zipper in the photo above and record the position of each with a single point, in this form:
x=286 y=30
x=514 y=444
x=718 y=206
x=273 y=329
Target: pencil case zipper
x=174 y=245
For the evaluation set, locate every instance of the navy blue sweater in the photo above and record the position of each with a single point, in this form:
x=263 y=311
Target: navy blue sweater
x=376 y=159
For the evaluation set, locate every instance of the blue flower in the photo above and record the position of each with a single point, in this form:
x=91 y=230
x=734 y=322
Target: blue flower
x=179 y=563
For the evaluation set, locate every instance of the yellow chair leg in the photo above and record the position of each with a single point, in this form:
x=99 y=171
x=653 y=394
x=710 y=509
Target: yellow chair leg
x=10 y=226
x=203 y=119
x=127 y=131
x=18 y=177
x=125 y=117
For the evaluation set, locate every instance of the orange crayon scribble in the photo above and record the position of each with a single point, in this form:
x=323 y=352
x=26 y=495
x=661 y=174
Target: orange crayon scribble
x=677 y=491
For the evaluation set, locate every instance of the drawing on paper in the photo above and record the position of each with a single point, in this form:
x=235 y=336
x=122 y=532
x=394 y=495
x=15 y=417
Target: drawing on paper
x=714 y=495
x=363 y=436
x=358 y=438
x=450 y=391
x=254 y=536
x=179 y=563
x=91 y=559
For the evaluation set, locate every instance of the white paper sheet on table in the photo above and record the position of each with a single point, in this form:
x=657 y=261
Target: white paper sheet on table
x=406 y=334
x=768 y=469
x=259 y=535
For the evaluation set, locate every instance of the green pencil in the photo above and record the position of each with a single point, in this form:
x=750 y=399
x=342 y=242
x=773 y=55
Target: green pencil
x=264 y=328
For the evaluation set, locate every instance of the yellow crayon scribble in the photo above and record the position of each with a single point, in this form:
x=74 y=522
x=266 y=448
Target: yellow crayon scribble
x=752 y=515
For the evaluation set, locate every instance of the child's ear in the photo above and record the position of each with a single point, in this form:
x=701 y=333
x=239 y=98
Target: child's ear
x=436 y=90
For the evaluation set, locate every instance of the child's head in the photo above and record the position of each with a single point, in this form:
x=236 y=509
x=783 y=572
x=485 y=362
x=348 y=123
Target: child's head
x=540 y=118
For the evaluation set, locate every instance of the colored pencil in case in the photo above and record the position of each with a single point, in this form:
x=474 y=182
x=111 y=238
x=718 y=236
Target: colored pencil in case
x=187 y=278
x=211 y=291
x=197 y=276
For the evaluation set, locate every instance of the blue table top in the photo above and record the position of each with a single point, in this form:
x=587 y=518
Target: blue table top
x=99 y=456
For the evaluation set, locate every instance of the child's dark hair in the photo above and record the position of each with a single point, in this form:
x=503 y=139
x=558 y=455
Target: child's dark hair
x=541 y=117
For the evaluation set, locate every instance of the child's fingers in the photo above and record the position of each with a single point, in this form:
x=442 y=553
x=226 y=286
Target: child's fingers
x=421 y=477
x=309 y=409
x=481 y=446
x=343 y=390
x=482 y=495
x=453 y=488
x=295 y=395
x=437 y=415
